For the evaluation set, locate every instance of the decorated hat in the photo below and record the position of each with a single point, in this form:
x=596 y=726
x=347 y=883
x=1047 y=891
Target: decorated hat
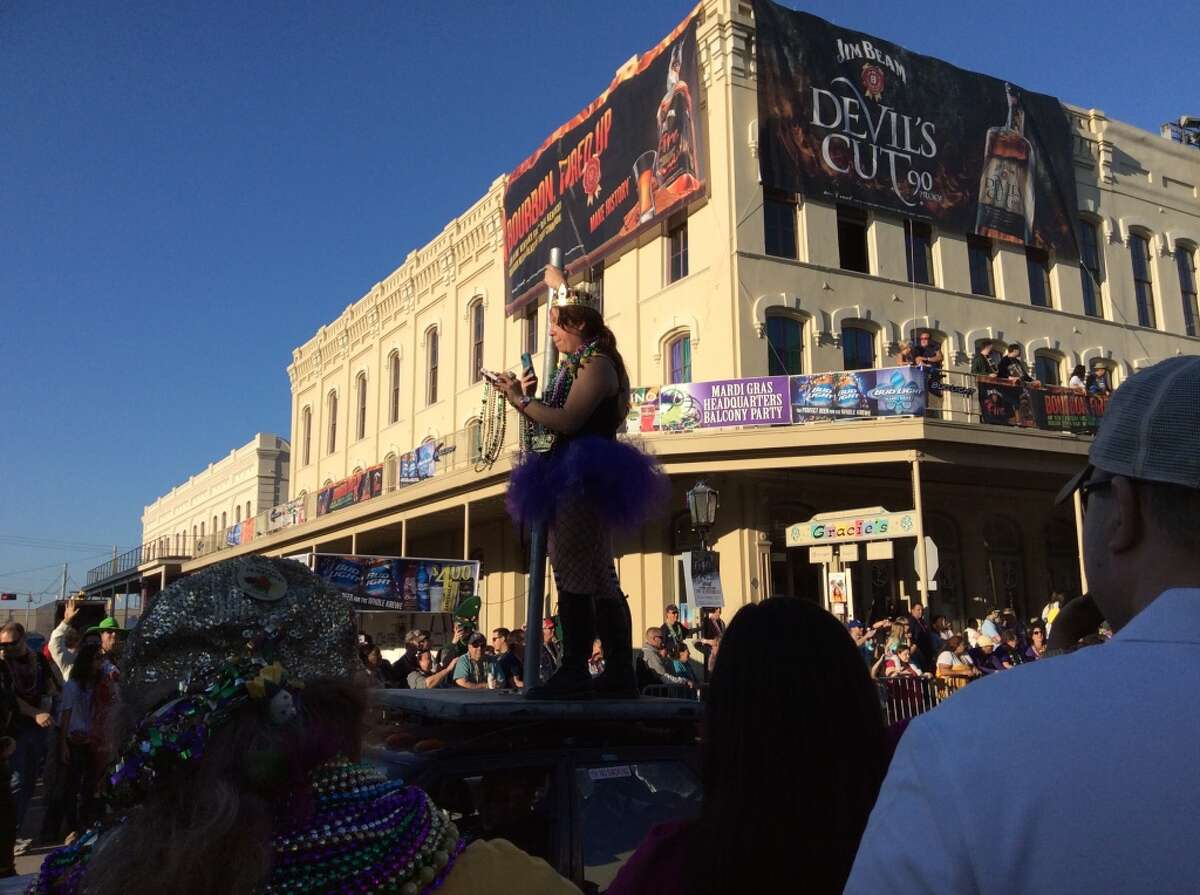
x=108 y=624
x=583 y=295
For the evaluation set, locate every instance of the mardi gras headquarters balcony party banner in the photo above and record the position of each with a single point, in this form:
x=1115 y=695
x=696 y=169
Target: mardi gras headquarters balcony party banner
x=630 y=158
x=849 y=118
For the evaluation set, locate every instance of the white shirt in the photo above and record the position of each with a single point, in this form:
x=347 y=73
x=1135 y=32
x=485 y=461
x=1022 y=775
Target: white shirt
x=948 y=660
x=64 y=658
x=79 y=701
x=1076 y=382
x=1096 y=753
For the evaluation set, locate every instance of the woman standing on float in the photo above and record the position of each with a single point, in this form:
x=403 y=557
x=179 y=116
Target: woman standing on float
x=587 y=483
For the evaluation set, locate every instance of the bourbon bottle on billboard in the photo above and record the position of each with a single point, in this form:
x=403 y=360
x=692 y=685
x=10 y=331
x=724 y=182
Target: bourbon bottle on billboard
x=676 y=127
x=1006 y=186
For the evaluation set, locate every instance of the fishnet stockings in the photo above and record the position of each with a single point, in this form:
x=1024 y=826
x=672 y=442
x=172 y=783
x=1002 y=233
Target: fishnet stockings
x=581 y=553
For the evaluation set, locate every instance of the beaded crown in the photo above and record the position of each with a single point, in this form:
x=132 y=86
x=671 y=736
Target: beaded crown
x=580 y=296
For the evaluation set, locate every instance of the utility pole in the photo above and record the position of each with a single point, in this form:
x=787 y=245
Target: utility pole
x=62 y=593
x=28 y=609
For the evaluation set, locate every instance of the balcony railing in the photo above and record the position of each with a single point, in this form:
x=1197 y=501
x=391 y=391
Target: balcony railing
x=889 y=393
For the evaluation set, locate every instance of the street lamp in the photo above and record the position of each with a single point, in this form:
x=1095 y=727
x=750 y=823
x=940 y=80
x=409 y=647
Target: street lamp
x=702 y=503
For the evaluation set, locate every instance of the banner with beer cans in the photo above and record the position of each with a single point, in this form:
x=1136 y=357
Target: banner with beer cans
x=851 y=394
x=399 y=583
x=850 y=118
x=634 y=155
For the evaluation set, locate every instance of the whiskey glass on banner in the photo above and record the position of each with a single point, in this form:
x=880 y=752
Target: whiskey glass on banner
x=647 y=182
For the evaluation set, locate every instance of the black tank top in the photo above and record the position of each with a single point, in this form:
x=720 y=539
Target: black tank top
x=604 y=421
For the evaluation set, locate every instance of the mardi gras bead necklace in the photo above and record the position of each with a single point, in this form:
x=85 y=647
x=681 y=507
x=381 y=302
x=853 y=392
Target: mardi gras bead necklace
x=493 y=423
x=535 y=437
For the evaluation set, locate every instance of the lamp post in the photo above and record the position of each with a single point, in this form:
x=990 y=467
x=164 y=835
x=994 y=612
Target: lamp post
x=702 y=504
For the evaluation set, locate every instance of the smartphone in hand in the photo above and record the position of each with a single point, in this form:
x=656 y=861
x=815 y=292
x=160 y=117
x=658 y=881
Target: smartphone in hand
x=526 y=362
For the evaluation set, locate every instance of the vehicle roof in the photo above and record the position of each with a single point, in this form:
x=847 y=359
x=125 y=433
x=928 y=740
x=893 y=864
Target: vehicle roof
x=489 y=706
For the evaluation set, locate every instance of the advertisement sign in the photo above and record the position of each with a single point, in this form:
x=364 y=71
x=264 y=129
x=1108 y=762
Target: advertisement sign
x=643 y=413
x=873 y=524
x=761 y=401
x=631 y=157
x=285 y=515
x=355 y=489
x=896 y=391
x=400 y=583
x=419 y=464
x=1067 y=410
x=837 y=590
x=702 y=579
x=850 y=118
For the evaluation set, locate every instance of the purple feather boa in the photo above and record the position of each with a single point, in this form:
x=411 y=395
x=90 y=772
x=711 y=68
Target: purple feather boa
x=624 y=484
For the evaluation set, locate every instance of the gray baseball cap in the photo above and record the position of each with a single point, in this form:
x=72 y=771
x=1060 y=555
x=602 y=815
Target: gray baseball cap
x=1149 y=430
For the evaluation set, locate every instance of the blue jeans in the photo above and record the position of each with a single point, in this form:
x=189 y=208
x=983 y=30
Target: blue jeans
x=26 y=762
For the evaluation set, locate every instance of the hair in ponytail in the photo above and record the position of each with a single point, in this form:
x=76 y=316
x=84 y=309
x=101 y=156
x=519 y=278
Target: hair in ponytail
x=590 y=326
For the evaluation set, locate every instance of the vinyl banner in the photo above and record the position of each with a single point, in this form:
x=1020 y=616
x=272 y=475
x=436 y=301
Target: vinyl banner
x=1004 y=403
x=895 y=391
x=1067 y=410
x=355 y=489
x=849 y=118
x=702 y=579
x=618 y=167
x=399 y=583
x=762 y=401
x=286 y=515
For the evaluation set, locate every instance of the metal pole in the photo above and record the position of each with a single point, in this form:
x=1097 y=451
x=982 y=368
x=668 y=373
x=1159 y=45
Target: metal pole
x=922 y=559
x=62 y=593
x=28 y=608
x=535 y=599
x=1083 y=583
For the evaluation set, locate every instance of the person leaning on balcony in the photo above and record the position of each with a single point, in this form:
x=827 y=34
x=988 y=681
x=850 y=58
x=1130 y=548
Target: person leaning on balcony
x=985 y=362
x=1123 y=717
x=1012 y=366
x=1078 y=380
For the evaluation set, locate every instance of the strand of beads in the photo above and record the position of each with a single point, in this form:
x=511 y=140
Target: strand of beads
x=493 y=422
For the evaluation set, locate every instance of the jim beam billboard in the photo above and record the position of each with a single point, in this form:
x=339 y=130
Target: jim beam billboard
x=631 y=158
x=849 y=118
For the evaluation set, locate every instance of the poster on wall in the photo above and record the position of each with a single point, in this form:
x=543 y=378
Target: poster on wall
x=702 y=579
x=837 y=590
x=349 y=491
x=631 y=157
x=846 y=117
x=285 y=515
x=400 y=583
x=759 y=401
x=852 y=394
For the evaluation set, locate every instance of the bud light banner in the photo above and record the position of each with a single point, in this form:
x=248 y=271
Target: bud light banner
x=633 y=156
x=853 y=394
x=762 y=401
x=399 y=583
x=849 y=118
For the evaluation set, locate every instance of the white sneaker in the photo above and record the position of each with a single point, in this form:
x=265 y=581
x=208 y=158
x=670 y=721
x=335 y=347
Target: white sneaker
x=21 y=846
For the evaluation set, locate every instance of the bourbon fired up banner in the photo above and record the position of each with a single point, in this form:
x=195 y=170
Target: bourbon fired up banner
x=629 y=158
x=846 y=117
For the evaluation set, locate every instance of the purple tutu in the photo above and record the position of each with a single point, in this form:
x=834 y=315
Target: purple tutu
x=625 y=485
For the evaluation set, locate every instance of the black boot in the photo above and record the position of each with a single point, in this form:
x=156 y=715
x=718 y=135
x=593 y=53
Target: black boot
x=614 y=625
x=577 y=612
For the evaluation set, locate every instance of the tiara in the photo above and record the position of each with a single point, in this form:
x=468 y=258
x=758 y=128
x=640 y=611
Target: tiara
x=581 y=296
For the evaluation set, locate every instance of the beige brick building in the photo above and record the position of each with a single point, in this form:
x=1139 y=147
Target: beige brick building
x=764 y=276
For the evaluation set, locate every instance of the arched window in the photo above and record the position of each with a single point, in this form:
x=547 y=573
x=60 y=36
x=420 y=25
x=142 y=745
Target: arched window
x=679 y=358
x=201 y=529
x=360 y=419
x=306 y=435
x=1185 y=260
x=389 y=472
x=476 y=340
x=331 y=445
x=224 y=522
x=1143 y=284
x=193 y=534
x=431 y=361
x=1047 y=366
x=785 y=345
x=858 y=348
x=393 y=386
x=248 y=513
x=237 y=513
x=475 y=439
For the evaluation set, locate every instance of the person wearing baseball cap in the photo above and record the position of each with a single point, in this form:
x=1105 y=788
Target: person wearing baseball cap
x=1119 y=722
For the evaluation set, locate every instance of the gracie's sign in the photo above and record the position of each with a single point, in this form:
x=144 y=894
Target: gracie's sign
x=865 y=525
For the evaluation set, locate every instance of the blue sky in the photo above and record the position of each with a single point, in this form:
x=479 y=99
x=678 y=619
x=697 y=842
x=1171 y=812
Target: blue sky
x=188 y=190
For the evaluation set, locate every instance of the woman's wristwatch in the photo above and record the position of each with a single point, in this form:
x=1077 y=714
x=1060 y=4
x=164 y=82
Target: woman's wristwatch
x=523 y=402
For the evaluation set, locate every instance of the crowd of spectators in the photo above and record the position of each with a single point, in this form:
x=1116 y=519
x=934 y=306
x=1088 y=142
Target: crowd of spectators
x=674 y=657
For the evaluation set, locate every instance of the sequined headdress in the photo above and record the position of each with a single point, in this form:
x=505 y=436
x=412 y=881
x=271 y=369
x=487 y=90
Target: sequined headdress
x=251 y=629
x=582 y=296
